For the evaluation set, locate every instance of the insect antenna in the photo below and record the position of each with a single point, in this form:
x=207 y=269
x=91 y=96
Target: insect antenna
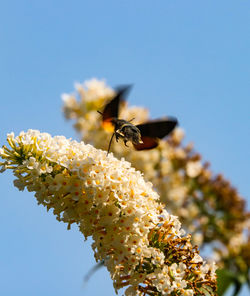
x=131 y=119
x=99 y=112
x=110 y=143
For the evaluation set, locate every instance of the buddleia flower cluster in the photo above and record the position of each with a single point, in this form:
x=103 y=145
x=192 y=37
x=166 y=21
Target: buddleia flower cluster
x=141 y=244
x=208 y=205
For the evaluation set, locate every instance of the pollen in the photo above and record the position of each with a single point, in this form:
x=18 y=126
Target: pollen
x=138 y=250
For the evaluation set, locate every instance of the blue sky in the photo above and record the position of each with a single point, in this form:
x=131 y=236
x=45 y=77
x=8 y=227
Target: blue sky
x=190 y=59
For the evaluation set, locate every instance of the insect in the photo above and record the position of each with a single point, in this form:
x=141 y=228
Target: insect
x=142 y=136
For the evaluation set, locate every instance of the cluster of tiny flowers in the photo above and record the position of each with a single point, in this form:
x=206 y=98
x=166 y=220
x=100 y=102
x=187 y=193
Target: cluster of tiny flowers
x=142 y=246
x=207 y=205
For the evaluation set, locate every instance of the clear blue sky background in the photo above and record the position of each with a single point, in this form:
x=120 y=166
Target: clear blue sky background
x=190 y=59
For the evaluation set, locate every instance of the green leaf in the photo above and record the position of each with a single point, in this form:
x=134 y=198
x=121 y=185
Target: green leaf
x=237 y=287
x=225 y=279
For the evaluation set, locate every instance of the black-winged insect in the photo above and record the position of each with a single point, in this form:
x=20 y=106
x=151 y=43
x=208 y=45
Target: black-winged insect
x=143 y=136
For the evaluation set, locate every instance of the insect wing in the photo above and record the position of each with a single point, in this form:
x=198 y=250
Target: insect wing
x=157 y=128
x=111 y=110
x=148 y=143
x=153 y=130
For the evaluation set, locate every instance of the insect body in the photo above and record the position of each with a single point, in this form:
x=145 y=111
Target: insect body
x=127 y=131
x=143 y=136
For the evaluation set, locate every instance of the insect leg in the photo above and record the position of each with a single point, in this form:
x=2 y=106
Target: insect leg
x=125 y=143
